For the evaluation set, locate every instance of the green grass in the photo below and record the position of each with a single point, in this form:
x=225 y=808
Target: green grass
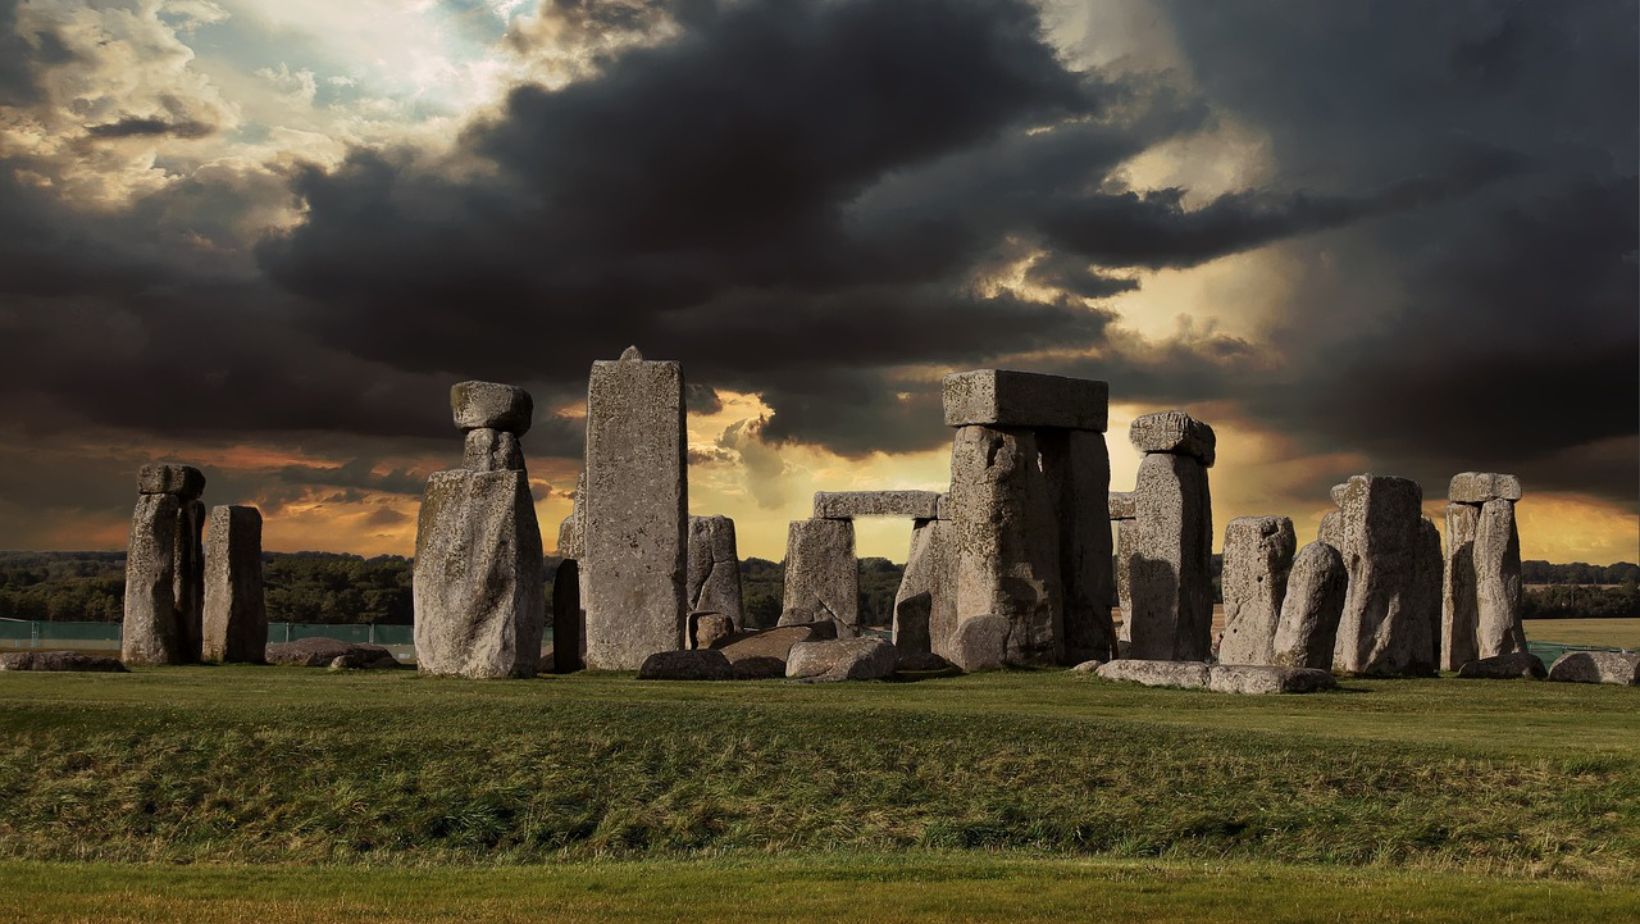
x=1611 y=633
x=280 y=765
x=929 y=887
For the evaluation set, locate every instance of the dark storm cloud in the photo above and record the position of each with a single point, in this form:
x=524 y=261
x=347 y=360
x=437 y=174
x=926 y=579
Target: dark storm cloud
x=149 y=126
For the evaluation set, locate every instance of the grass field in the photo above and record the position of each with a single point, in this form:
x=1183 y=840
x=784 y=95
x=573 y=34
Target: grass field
x=1038 y=793
x=1611 y=633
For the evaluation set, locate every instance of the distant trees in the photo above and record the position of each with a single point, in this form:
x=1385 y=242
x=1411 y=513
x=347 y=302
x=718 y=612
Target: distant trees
x=1542 y=572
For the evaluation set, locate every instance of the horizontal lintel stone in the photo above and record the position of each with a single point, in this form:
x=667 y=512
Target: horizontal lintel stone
x=1004 y=398
x=846 y=505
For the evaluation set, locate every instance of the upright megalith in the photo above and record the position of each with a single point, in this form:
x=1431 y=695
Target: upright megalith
x=925 y=606
x=822 y=576
x=568 y=606
x=236 y=615
x=1481 y=588
x=1258 y=555
x=479 y=578
x=1314 y=602
x=1123 y=510
x=1387 y=627
x=164 y=568
x=636 y=521
x=1029 y=535
x=1169 y=565
x=714 y=568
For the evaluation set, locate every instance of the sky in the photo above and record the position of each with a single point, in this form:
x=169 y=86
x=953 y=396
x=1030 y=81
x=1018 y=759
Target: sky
x=266 y=236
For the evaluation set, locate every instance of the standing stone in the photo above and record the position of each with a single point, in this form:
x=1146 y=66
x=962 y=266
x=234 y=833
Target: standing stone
x=1314 y=602
x=1497 y=580
x=925 y=607
x=1384 y=630
x=568 y=619
x=572 y=531
x=1122 y=511
x=1426 y=616
x=635 y=526
x=1077 y=466
x=188 y=586
x=1331 y=530
x=1459 y=616
x=150 y=634
x=236 y=616
x=1169 y=576
x=491 y=450
x=478 y=578
x=713 y=584
x=822 y=576
x=1006 y=538
x=1258 y=554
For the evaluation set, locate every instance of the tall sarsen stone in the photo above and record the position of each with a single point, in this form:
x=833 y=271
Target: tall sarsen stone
x=822 y=575
x=236 y=616
x=714 y=568
x=1258 y=554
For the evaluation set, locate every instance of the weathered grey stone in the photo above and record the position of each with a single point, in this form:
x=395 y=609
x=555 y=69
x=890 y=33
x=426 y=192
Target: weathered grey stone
x=1121 y=505
x=1169 y=577
x=1254 y=679
x=1175 y=432
x=1314 y=602
x=1331 y=529
x=323 y=652
x=700 y=664
x=59 y=661
x=151 y=634
x=636 y=519
x=1459 y=617
x=1511 y=666
x=1258 y=554
x=923 y=663
x=1480 y=487
x=841 y=659
x=572 y=531
x=940 y=507
x=1003 y=398
x=1613 y=667
x=980 y=643
x=491 y=450
x=845 y=505
x=1076 y=465
x=188 y=579
x=1187 y=674
x=822 y=576
x=713 y=580
x=361 y=658
x=185 y=481
x=762 y=655
x=1006 y=538
x=478 y=579
x=1426 y=614
x=925 y=606
x=1388 y=628
x=1125 y=545
x=479 y=405
x=1337 y=494
x=706 y=630
x=1497 y=581
x=568 y=619
x=236 y=615
x=1087 y=667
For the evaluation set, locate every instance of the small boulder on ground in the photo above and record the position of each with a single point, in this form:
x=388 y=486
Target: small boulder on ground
x=980 y=643
x=922 y=662
x=841 y=659
x=697 y=664
x=59 y=661
x=1510 y=666
x=324 y=652
x=707 y=629
x=762 y=655
x=1255 y=679
x=1597 y=667
x=1087 y=667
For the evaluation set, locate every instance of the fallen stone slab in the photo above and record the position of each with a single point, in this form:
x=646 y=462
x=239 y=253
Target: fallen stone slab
x=1512 y=666
x=1087 y=667
x=980 y=643
x=322 y=652
x=60 y=661
x=762 y=655
x=1260 y=679
x=1480 y=487
x=846 y=505
x=699 y=664
x=1614 y=667
x=1175 y=432
x=476 y=405
x=1004 y=398
x=841 y=659
x=1191 y=675
x=184 y=481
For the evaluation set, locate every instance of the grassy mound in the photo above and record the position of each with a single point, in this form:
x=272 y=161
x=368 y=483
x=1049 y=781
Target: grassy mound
x=254 y=765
